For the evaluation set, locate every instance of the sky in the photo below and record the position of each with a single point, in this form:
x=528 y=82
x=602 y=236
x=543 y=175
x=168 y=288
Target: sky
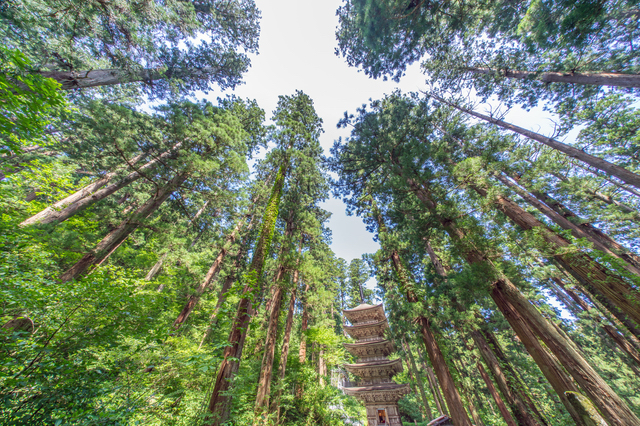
x=297 y=45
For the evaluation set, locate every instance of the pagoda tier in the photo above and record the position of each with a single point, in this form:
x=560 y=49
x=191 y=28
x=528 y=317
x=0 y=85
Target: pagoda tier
x=386 y=393
x=374 y=372
x=368 y=330
x=375 y=388
x=370 y=350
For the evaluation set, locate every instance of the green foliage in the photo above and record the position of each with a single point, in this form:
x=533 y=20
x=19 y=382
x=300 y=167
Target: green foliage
x=29 y=102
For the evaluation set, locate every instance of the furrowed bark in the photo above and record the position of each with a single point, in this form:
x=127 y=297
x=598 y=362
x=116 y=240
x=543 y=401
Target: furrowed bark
x=266 y=370
x=509 y=390
x=218 y=401
x=304 y=325
x=611 y=79
x=118 y=235
x=75 y=203
x=514 y=381
x=109 y=77
x=600 y=164
x=451 y=395
x=608 y=402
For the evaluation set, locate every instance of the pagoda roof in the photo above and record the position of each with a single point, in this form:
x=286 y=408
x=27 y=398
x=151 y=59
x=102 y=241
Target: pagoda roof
x=383 y=368
x=358 y=331
x=382 y=392
x=373 y=348
x=364 y=312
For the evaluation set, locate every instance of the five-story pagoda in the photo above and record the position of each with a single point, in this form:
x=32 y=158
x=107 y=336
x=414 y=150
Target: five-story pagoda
x=375 y=387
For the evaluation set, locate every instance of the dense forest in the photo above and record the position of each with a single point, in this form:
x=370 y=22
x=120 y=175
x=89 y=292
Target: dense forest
x=165 y=259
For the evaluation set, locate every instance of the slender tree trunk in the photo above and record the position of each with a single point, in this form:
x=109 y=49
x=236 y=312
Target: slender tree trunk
x=496 y=397
x=435 y=391
x=600 y=164
x=611 y=79
x=273 y=315
x=304 y=325
x=454 y=402
x=514 y=381
x=510 y=390
x=559 y=214
x=284 y=353
x=206 y=283
x=253 y=283
x=156 y=267
x=92 y=193
x=622 y=343
x=458 y=413
x=602 y=197
x=109 y=77
x=428 y=413
x=222 y=295
x=115 y=237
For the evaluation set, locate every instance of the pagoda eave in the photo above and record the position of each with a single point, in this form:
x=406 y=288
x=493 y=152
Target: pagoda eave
x=380 y=393
x=364 y=311
x=375 y=368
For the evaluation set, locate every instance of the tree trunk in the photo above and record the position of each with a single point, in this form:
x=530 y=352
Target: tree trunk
x=304 y=325
x=562 y=216
x=109 y=77
x=206 y=283
x=623 y=343
x=496 y=397
x=90 y=194
x=456 y=408
x=604 y=198
x=608 y=402
x=514 y=380
x=284 y=352
x=435 y=391
x=222 y=296
x=609 y=285
x=611 y=79
x=510 y=390
x=600 y=164
x=115 y=237
x=412 y=367
x=253 y=283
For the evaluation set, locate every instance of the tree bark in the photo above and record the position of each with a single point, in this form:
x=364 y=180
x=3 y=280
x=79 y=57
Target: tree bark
x=264 y=381
x=609 y=285
x=284 y=352
x=90 y=194
x=622 y=343
x=611 y=405
x=253 y=282
x=611 y=79
x=600 y=164
x=412 y=367
x=206 y=282
x=115 y=237
x=604 y=198
x=608 y=402
x=496 y=397
x=456 y=408
x=109 y=77
x=510 y=390
x=562 y=216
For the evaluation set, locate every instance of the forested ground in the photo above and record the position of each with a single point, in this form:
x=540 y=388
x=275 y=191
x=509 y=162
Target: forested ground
x=150 y=276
